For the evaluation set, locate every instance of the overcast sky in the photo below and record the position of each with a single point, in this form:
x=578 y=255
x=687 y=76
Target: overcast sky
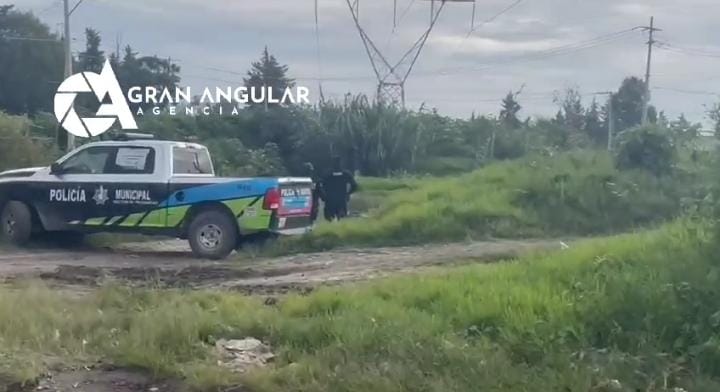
x=456 y=73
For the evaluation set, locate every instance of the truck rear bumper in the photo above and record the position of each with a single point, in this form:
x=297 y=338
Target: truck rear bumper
x=297 y=231
x=291 y=225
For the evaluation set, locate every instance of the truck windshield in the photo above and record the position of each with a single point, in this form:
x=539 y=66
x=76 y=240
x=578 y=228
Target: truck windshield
x=188 y=160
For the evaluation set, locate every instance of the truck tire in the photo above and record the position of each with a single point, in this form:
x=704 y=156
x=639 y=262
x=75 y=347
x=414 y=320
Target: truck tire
x=16 y=223
x=212 y=235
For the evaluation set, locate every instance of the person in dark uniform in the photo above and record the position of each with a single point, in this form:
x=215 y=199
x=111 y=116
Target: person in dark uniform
x=316 y=190
x=337 y=186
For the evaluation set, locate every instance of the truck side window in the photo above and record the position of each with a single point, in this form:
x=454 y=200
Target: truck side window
x=132 y=160
x=92 y=160
x=188 y=160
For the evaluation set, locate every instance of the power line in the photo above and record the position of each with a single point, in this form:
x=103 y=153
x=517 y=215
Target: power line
x=687 y=91
x=405 y=12
x=201 y=77
x=499 y=14
x=491 y=19
x=687 y=51
x=557 y=51
x=17 y=38
x=75 y=6
x=310 y=78
x=523 y=97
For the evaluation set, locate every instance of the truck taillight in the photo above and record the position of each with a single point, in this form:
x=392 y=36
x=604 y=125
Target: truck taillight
x=272 y=199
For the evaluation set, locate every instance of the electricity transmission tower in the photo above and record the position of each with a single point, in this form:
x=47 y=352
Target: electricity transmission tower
x=392 y=77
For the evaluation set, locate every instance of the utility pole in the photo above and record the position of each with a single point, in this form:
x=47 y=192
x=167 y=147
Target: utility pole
x=68 y=62
x=646 y=97
x=67 y=11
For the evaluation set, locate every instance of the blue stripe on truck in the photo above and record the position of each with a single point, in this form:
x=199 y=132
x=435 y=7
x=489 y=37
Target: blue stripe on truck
x=219 y=192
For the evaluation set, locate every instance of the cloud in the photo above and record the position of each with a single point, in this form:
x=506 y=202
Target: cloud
x=494 y=46
x=449 y=74
x=633 y=9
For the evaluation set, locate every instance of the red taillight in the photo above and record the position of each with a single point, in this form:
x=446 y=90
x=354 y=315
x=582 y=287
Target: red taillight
x=272 y=199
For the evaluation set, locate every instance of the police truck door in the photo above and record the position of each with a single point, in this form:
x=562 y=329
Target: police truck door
x=103 y=187
x=72 y=193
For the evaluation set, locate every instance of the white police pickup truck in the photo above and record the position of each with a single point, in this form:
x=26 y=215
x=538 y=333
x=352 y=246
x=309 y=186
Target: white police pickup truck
x=150 y=187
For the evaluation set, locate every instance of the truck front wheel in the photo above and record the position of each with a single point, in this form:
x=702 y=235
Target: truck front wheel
x=16 y=221
x=212 y=235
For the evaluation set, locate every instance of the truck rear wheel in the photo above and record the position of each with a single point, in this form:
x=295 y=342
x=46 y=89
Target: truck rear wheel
x=16 y=221
x=212 y=235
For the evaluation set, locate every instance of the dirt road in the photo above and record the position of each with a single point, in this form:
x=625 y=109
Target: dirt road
x=169 y=264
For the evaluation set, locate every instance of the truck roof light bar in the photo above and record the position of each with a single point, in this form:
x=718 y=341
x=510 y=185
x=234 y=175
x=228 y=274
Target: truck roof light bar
x=127 y=136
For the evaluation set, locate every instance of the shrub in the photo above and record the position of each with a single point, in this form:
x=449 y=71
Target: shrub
x=647 y=148
x=17 y=149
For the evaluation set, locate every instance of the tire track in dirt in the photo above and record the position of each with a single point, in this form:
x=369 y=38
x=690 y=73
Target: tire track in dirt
x=169 y=264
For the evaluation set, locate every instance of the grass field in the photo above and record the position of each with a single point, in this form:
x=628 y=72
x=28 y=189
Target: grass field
x=375 y=190
x=641 y=309
x=570 y=194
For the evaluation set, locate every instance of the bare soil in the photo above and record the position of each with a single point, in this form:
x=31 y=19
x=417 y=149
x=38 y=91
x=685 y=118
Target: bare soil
x=105 y=380
x=170 y=264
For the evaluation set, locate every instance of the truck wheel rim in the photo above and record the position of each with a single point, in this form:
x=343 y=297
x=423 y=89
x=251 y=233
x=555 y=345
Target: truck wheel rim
x=10 y=223
x=210 y=236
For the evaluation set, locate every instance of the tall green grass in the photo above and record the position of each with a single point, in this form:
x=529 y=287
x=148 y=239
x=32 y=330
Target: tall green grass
x=375 y=190
x=577 y=193
x=642 y=309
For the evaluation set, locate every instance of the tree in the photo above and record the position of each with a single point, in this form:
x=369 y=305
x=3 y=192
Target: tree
x=31 y=63
x=628 y=104
x=146 y=71
x=475 y=135
x=510 y=110
x=92 y=59
x=683 y=131
x=662 y=120
x=594 y=126
x=714 y=114
x=267 y=72
x=652 y=115
x=571 y=109
x=129 y=56
x=647 y=148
